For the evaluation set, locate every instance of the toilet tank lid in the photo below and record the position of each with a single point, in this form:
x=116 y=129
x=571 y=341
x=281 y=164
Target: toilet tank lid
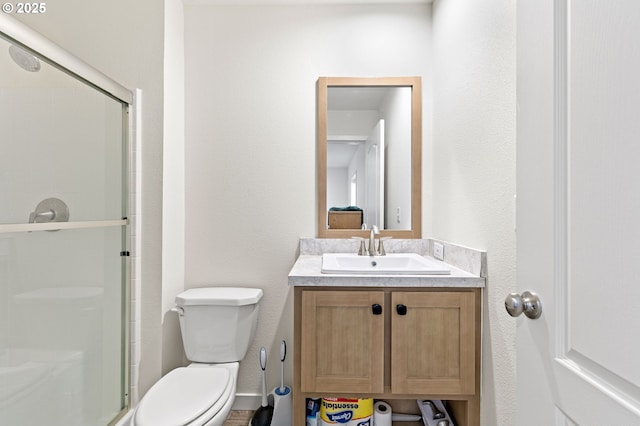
x=219 y=296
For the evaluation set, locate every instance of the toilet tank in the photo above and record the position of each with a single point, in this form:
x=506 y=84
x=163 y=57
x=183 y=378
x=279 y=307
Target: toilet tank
x=218 y=323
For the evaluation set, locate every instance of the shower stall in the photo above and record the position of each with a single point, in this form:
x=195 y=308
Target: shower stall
x=64 y=236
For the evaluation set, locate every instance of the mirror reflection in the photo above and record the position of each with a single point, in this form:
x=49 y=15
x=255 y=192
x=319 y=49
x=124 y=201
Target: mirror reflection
x=369 y=136
x=369 y=157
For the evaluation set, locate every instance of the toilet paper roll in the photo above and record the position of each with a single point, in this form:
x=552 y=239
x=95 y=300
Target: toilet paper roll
x=382 y=414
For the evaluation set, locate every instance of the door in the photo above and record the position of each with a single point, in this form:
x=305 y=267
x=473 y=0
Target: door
x=374 y=177
x=342 y=343
x=578 y=210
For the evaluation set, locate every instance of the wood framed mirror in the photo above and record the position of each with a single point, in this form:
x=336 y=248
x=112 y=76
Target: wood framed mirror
x=369 y=156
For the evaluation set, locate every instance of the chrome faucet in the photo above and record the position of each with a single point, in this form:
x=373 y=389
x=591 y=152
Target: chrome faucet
x=372 y=240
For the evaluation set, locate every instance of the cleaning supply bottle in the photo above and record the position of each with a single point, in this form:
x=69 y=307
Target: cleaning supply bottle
x=313 y=408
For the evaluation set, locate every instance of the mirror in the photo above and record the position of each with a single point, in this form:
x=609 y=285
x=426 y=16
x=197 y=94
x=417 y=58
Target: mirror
x=369 y=156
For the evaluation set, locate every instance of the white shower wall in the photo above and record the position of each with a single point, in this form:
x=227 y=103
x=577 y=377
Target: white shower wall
x=99 y=33
x=61 y=292
x=55 y=145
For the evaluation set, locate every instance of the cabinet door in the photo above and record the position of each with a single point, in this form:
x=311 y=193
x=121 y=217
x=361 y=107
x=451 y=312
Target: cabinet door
x=433 y=343
x=342 y=343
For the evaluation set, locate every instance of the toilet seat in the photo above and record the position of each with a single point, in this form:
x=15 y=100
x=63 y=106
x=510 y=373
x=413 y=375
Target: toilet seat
x=185 y=396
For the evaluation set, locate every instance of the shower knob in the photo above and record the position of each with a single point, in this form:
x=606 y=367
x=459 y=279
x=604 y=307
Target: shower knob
x=528 y=302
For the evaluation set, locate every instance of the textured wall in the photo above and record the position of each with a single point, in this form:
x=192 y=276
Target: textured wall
x=173 y=188
x=474 y=168
x=251 y=77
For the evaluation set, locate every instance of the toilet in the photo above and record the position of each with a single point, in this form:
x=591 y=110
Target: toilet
x=218 y=325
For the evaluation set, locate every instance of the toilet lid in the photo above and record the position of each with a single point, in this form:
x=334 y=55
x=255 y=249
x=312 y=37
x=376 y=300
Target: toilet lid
x=182 y=396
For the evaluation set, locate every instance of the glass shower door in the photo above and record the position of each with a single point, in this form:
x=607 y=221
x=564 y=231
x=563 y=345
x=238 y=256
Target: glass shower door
x=63 y=246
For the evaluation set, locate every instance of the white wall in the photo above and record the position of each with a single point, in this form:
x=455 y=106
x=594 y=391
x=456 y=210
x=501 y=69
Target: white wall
x=474 y=168
x=251 y=77
x=173 y=187
x=338 y=186
x=397 y=116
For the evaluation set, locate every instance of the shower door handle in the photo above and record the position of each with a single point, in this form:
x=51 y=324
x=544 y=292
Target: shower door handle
x=50 y=210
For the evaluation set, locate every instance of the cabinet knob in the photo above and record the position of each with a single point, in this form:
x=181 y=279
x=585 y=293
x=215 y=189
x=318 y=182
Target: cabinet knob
x=376 y=309
x=401 y=309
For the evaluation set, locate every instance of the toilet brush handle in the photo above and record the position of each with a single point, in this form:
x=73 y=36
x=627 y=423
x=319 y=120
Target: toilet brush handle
x=263 y=359
x=263 y=366
x=283 y=355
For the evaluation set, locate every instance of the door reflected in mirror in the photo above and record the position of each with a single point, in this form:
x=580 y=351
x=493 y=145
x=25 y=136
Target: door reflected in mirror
x=369 y=137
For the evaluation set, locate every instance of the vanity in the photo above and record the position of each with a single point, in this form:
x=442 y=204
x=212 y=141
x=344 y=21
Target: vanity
x=387 y=336
x=382 y=327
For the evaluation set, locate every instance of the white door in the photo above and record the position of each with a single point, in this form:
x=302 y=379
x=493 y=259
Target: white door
x=578 y=211
x=374 y=177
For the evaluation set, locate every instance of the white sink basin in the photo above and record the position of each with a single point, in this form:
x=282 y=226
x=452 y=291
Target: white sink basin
x=391 y=264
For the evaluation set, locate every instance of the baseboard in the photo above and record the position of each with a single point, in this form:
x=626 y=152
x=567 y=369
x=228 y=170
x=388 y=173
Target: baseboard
x=247 y=401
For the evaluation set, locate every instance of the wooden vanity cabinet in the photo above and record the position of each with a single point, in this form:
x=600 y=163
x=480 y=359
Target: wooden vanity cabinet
x=396 y=344
x=342 y=341
x=432 y=344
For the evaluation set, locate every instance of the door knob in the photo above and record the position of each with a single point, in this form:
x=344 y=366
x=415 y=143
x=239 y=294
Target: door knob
x=528 y=302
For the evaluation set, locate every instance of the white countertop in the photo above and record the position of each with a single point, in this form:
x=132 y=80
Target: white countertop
x=307 y=272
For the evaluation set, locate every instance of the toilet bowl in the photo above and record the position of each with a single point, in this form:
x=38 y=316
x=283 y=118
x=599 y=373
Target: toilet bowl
x=217 y=325
x=197 y=395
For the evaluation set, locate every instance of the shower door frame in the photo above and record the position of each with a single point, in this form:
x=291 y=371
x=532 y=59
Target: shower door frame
x=32 y=41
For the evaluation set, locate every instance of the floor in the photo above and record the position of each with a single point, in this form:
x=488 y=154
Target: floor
x=239 y=418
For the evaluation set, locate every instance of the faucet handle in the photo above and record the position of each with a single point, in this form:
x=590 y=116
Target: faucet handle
x=362 y=251
x=381 y=251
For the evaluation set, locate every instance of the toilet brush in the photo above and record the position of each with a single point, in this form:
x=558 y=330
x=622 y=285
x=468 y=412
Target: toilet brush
x=264 y=413
x=282 y=401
